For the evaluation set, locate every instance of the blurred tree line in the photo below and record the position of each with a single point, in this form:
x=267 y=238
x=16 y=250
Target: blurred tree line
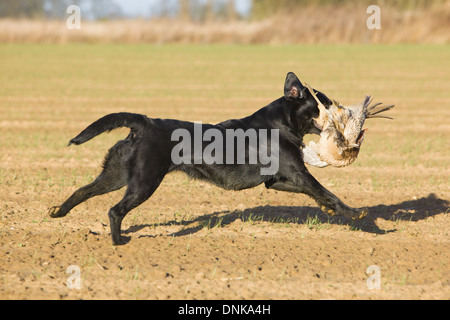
x=197 y=10
x=194 y=10
x=56 y=9
x=265 y=8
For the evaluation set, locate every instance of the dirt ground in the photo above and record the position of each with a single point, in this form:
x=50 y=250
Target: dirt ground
x=253 y=244
x=192 y=240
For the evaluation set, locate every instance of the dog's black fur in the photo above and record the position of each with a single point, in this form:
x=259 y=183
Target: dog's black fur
x=143 y=159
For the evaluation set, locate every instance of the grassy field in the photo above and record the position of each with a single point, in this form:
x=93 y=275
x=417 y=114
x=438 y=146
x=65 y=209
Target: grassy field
x=193 y=240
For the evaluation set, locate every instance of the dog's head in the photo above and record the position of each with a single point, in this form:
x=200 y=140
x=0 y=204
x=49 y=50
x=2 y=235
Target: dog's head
x=305 y=104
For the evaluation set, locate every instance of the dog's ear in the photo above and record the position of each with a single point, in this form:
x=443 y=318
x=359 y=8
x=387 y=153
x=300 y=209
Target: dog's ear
x=293 y=88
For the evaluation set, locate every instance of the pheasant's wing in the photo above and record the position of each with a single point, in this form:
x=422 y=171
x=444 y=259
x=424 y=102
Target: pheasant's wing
x=355 y=108
x=339 y=117
x=354 y=122
x=311 y=157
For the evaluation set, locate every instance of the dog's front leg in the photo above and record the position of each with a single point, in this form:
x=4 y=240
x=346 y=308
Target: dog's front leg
x=304 y=182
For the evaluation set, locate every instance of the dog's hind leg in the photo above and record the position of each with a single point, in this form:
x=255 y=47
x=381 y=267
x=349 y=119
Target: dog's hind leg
x=113 y=177
x=136 y=194
x=103 y=184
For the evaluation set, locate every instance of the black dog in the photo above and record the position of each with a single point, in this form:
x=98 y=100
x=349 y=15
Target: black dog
x=143 y=159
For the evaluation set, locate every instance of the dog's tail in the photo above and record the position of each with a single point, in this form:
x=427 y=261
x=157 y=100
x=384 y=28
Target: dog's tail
x=136 y=122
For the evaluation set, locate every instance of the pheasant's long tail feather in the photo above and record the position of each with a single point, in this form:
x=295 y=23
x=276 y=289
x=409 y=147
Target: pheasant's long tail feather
x=383 y=117
x=367 y=101
x=374 y=110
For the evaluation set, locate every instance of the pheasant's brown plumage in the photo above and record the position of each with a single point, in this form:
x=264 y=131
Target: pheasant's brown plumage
x=342 y=132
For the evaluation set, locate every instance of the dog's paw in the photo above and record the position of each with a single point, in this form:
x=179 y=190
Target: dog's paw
x=55 y=212
x=363 y=213
x=328 y=211
x=120 y=241
x=355 y=214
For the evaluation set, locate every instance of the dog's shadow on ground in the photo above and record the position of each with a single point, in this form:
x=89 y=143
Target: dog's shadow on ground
x=411 y=210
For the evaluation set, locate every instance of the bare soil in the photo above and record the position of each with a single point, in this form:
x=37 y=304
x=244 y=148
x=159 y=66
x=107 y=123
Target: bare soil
x=191 y=240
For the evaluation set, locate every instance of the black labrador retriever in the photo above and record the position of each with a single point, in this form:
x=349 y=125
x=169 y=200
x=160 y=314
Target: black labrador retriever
x=155 y=147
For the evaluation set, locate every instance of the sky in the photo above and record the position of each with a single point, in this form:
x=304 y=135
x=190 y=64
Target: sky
x=143 y=7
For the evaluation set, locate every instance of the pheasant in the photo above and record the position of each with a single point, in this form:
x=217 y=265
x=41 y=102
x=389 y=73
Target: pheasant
x=342 y=132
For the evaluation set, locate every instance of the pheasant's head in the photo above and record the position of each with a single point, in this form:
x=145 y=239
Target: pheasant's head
x=321 y=120
x=303 y=105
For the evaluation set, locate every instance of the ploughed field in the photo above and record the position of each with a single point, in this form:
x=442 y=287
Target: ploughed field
x=192 y=239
